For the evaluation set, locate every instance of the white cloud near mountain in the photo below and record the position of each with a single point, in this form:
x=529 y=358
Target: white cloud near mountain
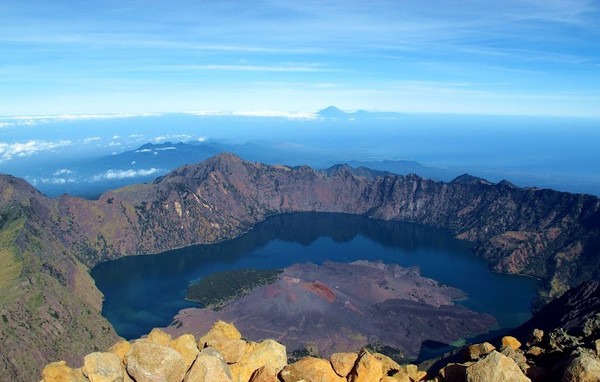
x=9 y=151
x=176 y=138
x=124 y=174
x=57 y=180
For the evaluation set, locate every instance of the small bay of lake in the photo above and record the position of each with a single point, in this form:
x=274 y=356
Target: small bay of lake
x=143 y=292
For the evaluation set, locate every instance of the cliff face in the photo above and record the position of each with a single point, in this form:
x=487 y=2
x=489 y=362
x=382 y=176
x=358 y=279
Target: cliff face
x=551 y=235
x=48 y=293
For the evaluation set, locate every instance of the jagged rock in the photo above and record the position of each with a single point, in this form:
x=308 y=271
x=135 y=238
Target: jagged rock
x=390 y=366
x=510 y=341
x=120 y=349
x=232 y=350
x=414 y=373
x=264 y=374
x=366 y=369
x=560 y=340
x=597 y=347
x=495 y=367
x=536 y=336
x=584 y=367
x=476 y=351
x=209 y=367
x=150 y=362
x=343 y=363
x=103 y=367
x=400 y=376
x=454 y=372
x=186 y=346
x=535 y=351
x=60 y=372
x=220 y=329
x=591 y=325
x=159 y=337
x=310 y=369
x=517 y=356
x=267 y=352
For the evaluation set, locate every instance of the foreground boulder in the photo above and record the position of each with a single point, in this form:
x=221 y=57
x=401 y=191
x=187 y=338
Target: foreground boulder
x=159 y=358
x=151 y=362
x=266 y=353
x=310 y=369
x=495 y=367
x=104 y=367
x=60 y=372
x=209 y=367
x=222 y=355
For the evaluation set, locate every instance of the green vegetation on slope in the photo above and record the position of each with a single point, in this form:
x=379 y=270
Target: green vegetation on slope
x=11 y=264
x=215 y=290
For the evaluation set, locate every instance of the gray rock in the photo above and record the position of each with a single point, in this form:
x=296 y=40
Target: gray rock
x=560 y=340
x=592 y=325
x=584 y=367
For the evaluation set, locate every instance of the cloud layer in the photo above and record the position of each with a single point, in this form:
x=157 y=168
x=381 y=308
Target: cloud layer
x=9 y=151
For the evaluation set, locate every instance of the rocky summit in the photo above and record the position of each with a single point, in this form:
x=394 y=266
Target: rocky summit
x=222 y=355
x=50 y=308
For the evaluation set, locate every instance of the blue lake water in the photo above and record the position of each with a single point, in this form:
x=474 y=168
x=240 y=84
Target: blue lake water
x=143 y=292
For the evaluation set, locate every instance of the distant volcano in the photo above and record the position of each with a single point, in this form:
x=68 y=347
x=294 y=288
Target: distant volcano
x=344 y=307
x=333 y=112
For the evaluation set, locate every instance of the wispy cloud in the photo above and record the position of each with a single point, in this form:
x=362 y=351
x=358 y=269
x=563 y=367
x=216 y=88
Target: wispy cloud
x=57 y=180
x=9 y=151
x=62 y=171
x=175 y=137
x=124 y=174
x=285 y=68
x=32 y=120
x=256 y=113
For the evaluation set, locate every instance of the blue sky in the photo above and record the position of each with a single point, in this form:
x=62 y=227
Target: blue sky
x=522 y=57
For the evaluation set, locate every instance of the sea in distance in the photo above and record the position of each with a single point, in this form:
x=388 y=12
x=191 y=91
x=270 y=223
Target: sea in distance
x=143 y=292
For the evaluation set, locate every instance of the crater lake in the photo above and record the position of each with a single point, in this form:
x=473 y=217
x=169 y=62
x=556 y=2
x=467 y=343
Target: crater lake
x=143 y=292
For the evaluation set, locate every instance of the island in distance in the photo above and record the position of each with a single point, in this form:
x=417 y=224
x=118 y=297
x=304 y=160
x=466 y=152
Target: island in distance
x=343 y=307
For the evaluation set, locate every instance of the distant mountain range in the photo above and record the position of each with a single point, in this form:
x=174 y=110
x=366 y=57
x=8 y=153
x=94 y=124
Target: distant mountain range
x=333 y=112
x=90 y=178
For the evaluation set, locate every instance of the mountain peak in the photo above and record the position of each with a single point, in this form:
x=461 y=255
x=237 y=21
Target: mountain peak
x=469 y=179
x=332 y=112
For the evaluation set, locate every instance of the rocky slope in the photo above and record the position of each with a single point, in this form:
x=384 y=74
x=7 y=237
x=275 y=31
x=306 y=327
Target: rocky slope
x=47 y=298
x=49 y=305
x=561 y=342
